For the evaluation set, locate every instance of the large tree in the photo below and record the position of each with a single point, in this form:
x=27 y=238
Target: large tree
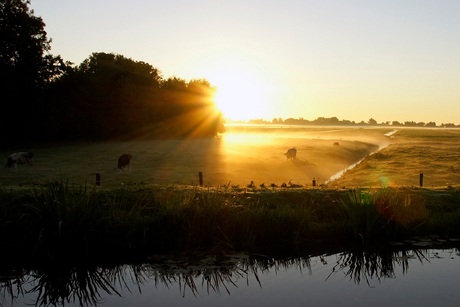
x=26 y=67
x=109 y=96
x=106 y=96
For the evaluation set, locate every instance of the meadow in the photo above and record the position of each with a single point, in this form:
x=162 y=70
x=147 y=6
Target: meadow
x=253 y=199
x=246 y=154
x=435 y=153
x=241 y=155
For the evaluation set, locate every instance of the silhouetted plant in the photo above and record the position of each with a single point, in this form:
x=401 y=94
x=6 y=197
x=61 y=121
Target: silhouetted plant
x=62 y=217
x=361 y=215
x=64 y=221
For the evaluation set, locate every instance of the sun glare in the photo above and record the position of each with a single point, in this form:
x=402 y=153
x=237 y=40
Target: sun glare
x=239 y=95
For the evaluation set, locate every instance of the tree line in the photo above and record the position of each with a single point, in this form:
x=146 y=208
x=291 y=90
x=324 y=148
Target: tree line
x=108 y=96
x=334 y=121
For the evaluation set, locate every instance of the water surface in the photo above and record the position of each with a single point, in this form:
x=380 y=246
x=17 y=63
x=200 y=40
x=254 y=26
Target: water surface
x=409 y=277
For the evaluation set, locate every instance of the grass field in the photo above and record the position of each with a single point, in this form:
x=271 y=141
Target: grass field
x=246 y=154
x=435 y=153
x=238 y=157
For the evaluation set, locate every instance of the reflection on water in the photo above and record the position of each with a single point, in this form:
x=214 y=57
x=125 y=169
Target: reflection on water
x=380 y=278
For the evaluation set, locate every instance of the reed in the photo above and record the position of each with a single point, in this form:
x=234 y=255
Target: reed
x=62 y=217
x=401 y=214
x=61 y=220
x=361 y=217
x=382 y=214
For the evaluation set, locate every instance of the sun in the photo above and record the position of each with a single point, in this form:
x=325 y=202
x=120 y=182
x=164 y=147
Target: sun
x=239 y=95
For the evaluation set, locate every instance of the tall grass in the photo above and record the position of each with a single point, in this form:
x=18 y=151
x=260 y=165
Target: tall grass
x=361 y=216
x=61 y=220
x=63 y=216
x=382 y=213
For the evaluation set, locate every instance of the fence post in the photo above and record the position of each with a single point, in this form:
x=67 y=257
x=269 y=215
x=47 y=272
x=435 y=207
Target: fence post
x=98 y=179
x=313 y=182
x=421 y=179
x=200 y=176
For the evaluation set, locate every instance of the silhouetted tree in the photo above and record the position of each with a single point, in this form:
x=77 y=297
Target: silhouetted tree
x=346 y=122
x=188 y=108
x=449 y=125
x=26 y=67
x=106 y=96
x=327 y=121
x=372 y=122
x=109 y=96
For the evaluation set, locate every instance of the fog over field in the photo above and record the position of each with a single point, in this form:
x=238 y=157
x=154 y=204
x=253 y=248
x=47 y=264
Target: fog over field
x=241 y=155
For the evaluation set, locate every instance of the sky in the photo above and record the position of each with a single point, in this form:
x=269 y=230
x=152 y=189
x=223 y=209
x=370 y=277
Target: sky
x=390 y=60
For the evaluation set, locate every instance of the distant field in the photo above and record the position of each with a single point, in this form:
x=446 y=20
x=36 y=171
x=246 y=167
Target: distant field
x=255 y=153
x=435 y=153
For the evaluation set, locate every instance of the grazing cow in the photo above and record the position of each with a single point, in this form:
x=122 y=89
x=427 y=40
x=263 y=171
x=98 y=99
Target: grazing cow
x=19 y=158
x=336 y=144
x=291 y=154
x=123 y=162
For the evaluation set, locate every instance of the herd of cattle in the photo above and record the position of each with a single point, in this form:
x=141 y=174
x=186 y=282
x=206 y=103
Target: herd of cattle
x=124 y=161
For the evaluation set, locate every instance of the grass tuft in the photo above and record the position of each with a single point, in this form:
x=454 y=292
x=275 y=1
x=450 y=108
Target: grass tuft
x=65 y=221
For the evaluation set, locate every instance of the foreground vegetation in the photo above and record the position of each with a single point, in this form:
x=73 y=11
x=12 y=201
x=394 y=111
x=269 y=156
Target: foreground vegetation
x=63 y=221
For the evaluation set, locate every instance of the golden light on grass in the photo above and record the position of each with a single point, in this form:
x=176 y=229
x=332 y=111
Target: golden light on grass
x=246 y=153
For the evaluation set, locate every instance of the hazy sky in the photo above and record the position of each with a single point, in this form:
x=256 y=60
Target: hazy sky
x=353 y=59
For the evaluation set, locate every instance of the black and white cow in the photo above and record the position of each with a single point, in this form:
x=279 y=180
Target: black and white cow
x=19 y=158
x=291 y=154
x=123 y=162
